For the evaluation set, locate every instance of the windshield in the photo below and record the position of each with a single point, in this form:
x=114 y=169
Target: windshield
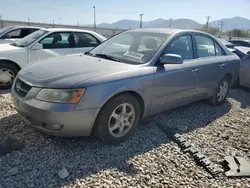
x=131 y=47
x=3 y=30
x=26 y=41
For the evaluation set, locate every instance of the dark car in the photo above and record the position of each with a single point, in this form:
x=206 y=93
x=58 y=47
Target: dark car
x=245 y=43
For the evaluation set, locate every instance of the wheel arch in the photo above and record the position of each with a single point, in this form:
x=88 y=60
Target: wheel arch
x=230 y=76
x=133 y=93
x=4 y=60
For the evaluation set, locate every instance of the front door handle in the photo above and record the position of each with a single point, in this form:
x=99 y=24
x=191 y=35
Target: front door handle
x=195 y=70
x=222 y=65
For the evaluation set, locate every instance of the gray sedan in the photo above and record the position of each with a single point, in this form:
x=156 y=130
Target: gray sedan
x=244 y=55
x=133 y=75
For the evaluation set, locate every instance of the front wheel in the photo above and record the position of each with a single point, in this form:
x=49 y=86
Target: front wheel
x=118 y=119
x=221 y=92
x=8 y=73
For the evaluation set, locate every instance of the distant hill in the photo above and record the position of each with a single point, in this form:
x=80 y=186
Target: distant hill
x=159 y=23
x=229 y=23
x=232 y=23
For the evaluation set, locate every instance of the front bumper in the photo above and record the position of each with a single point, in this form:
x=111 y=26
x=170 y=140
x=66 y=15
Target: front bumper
x=42 y=115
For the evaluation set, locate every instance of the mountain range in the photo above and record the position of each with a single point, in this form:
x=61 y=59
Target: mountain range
x=228 y=24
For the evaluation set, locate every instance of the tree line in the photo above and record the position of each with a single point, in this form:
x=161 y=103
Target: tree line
x=231 y=33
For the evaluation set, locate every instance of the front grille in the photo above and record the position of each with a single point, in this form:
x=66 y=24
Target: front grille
x=21 y=88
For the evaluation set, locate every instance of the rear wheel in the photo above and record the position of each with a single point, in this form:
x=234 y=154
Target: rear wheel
x=118 y=119
x=221 y=92
x=8 y=73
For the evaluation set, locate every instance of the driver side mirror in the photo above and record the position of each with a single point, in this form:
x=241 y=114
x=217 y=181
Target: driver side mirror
x=37 y=46
x=171 y=59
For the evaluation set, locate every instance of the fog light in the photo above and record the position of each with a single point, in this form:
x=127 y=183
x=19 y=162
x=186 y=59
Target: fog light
x=53 y=127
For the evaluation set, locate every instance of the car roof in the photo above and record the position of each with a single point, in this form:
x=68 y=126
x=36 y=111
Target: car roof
x=225 y=42
x=166 y=30
x=25 y=27
x=67 y=29
x=240 y=40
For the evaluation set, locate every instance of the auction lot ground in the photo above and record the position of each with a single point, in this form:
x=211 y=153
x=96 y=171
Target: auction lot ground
x=148 y=159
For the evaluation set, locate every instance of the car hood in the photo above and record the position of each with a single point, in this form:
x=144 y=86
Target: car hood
x=67 y=71
x=7 y=47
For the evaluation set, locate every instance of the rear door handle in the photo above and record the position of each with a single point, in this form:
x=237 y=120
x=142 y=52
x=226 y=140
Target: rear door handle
x=195 y=70
x=222 y=65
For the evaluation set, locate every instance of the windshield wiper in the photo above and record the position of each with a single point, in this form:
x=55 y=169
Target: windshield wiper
x=15 y=44
x=105 y=56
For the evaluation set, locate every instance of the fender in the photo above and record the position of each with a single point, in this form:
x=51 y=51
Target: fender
x=4 y=58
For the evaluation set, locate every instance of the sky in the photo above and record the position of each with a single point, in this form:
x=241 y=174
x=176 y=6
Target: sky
x=108 y=11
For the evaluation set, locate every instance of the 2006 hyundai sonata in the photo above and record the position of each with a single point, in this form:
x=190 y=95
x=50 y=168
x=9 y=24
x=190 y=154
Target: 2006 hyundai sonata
x=133 y=75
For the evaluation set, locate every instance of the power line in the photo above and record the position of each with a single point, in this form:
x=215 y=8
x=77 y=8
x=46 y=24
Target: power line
x=141 y=20
x=208 y=18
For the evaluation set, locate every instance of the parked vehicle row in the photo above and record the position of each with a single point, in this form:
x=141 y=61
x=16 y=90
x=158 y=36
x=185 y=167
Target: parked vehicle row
x=110 y=88
x=43 y=44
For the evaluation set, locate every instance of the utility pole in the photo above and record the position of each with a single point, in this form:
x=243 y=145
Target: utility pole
x=59 y=20
x=170 y=23
x=1 y=19
x=53 y=23
x=141 y=20
x=94 y=19
x=208 y=18
x=221 y=26
x=28 y=20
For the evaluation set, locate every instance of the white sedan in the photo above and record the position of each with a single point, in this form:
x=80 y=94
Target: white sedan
x=43 y=44
x=14 y=33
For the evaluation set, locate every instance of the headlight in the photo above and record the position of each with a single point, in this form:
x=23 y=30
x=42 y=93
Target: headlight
x=60 y=95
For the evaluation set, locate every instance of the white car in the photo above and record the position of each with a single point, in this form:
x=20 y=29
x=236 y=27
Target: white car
x=43 y=44
x=13 y=33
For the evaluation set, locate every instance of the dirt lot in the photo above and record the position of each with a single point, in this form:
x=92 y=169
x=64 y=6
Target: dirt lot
x=148 y=159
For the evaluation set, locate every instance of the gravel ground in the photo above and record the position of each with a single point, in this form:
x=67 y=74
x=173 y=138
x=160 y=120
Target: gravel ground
x=148 y=159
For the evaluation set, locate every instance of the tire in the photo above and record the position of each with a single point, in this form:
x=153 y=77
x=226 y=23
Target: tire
x=9 y=69
x=105 y=119
x=215 y=100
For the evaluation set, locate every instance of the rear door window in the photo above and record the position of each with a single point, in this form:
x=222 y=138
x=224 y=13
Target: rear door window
x=219 y=51
x=85 y=40
x=13 y=34
x=205 y=46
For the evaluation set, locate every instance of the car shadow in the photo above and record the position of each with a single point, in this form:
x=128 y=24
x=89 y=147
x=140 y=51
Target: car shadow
x=86 y=156
x=241 y=95
x=5 y=91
